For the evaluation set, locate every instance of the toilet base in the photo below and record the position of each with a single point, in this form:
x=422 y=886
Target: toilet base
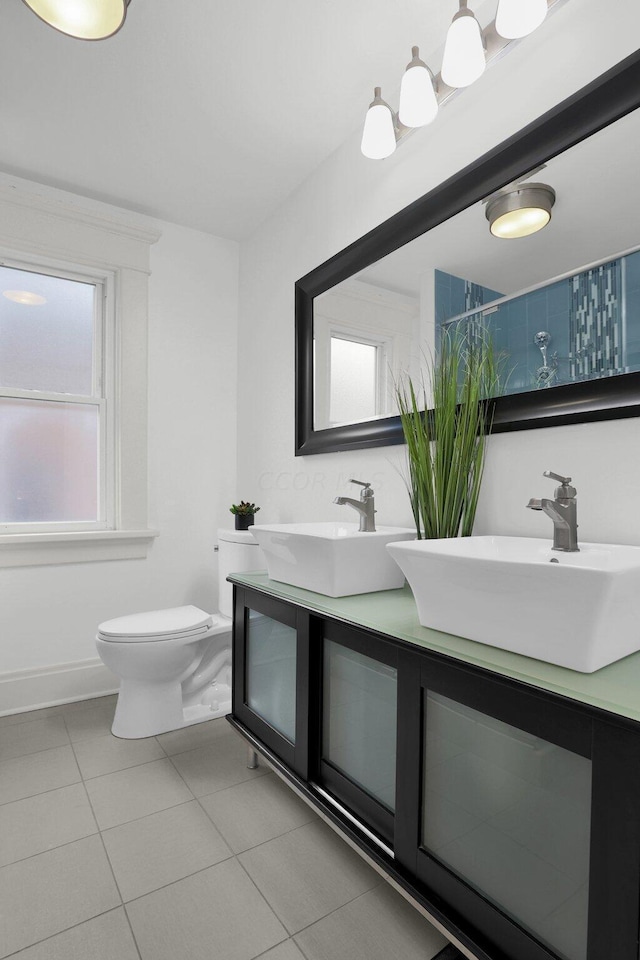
x=147 y=710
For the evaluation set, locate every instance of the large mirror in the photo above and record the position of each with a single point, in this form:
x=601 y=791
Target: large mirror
x=562 y=306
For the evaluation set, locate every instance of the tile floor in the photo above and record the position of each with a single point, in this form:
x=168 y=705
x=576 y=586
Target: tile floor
x=171 y=849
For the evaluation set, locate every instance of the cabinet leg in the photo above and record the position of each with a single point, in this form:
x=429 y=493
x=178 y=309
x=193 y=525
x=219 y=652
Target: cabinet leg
x=252 y=759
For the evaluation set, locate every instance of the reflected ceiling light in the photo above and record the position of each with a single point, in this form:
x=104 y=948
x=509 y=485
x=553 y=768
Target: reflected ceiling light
x=418 y=101
x=379 y=134
x=24 y=296
x=468 y=50
x=520 y=210
x=83 y=19
x=519 y=18
x=464 y=58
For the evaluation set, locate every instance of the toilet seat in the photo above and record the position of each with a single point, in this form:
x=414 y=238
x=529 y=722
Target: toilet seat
x=175 y=623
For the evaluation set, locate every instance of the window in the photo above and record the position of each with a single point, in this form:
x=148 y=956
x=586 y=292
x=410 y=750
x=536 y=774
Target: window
x=73 y=379
x=55 y=419
x=362 y=335
x=357 y=370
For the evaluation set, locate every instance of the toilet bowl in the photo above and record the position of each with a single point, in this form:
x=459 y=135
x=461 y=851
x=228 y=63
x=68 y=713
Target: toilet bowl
x=175 y=664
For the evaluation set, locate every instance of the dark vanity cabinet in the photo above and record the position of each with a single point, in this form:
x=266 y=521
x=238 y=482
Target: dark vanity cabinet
x=509 y=813
x=271 y=674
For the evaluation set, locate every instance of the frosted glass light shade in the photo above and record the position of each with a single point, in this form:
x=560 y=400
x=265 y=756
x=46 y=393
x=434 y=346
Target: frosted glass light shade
x=378 y=136
x=418 y=101
x=518 y=18
x=84 y=19
x=464 y=58
x=520 y=223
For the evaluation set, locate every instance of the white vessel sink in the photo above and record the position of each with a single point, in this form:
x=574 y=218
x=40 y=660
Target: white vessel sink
x=582 y=611
x=332 y=558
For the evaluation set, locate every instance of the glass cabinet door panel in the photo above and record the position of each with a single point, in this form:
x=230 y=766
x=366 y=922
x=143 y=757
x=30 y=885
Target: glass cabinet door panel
x=359 y=720
x=271 y=672
x=510 y=814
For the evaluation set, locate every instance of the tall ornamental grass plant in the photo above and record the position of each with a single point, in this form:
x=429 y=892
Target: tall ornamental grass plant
x=446 y=445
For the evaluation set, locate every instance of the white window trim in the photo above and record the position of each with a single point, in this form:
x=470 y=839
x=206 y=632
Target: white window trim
x=51 y=229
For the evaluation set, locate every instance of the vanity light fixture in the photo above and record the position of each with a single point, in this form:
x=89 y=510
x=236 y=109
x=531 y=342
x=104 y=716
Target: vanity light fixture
x=418 y=101
x=464 y=59
x=468 y=50
x=24 y=296
x=519 y=18
x=83 y=19
x=520 y=210
x=379 y=134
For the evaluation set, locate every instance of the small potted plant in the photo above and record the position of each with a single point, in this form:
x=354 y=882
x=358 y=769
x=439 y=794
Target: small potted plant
x=244 y=514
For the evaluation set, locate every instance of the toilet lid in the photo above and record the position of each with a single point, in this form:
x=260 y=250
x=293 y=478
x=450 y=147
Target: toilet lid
x=157 y=625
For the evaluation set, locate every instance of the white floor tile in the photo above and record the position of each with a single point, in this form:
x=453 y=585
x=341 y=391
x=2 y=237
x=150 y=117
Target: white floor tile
x=255 y=811
x=164 y=847
x=376 y=926
x=307 y=873
x=108 y=937
x=27 y=776
x=21 y=739
x=215 y=913
x=108 y=754
x=47 y=894
x=31 y=826
x=130 y=794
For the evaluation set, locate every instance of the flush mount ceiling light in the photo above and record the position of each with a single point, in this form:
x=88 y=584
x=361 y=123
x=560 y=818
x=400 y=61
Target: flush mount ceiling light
x=468 y=51
x=83 y=19
x=25 y=297
x=519 y=18
x=520 y=210
x=464 y=59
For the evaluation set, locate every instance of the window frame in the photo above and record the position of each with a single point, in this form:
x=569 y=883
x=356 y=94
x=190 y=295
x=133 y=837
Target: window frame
x=383 y=346
x=102 y=391
x=50 y=228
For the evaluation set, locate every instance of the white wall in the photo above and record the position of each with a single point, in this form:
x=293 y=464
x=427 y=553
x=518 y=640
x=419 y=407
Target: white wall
x=48 y=614
x=345 y=198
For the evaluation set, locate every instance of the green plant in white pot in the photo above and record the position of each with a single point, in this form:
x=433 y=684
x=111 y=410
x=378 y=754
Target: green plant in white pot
x=446 y=444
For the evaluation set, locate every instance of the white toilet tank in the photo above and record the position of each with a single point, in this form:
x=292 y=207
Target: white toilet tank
x=238 y=552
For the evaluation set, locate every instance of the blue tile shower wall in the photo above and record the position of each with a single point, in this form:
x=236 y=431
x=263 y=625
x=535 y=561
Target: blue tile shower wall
x=454 y=295
x=592 y=321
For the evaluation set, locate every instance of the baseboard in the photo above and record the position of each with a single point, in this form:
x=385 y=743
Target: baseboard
x=48 y=686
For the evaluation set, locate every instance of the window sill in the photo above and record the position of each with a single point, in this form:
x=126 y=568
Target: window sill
x=33 y=549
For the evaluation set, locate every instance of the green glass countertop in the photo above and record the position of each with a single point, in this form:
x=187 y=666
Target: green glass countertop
x=615 y=688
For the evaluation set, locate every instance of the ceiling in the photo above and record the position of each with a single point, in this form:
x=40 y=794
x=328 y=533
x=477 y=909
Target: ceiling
x=594 y=218
x=205 y=114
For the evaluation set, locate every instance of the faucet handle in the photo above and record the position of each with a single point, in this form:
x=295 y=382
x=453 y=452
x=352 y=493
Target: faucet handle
x=556 y=476
x=565 y=491
x=367 y=491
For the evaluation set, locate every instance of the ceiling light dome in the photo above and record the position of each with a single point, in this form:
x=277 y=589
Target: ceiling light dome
x=83 y=19
x=519 y=18
x=520 y=210
x=25 y=297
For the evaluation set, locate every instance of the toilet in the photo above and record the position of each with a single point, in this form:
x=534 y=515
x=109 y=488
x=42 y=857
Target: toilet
x=175 y=665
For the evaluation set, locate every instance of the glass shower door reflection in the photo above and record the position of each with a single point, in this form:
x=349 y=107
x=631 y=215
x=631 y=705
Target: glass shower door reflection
x=510 y=814
x=271 y=672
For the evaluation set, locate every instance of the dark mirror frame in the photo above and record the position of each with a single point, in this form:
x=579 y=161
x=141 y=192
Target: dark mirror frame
x=602 y=102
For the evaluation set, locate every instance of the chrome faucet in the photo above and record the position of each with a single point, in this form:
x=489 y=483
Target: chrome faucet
x=562 y=511
x=365 y=506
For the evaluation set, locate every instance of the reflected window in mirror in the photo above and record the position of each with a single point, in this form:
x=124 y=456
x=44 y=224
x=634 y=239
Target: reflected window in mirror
x=362 y=336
